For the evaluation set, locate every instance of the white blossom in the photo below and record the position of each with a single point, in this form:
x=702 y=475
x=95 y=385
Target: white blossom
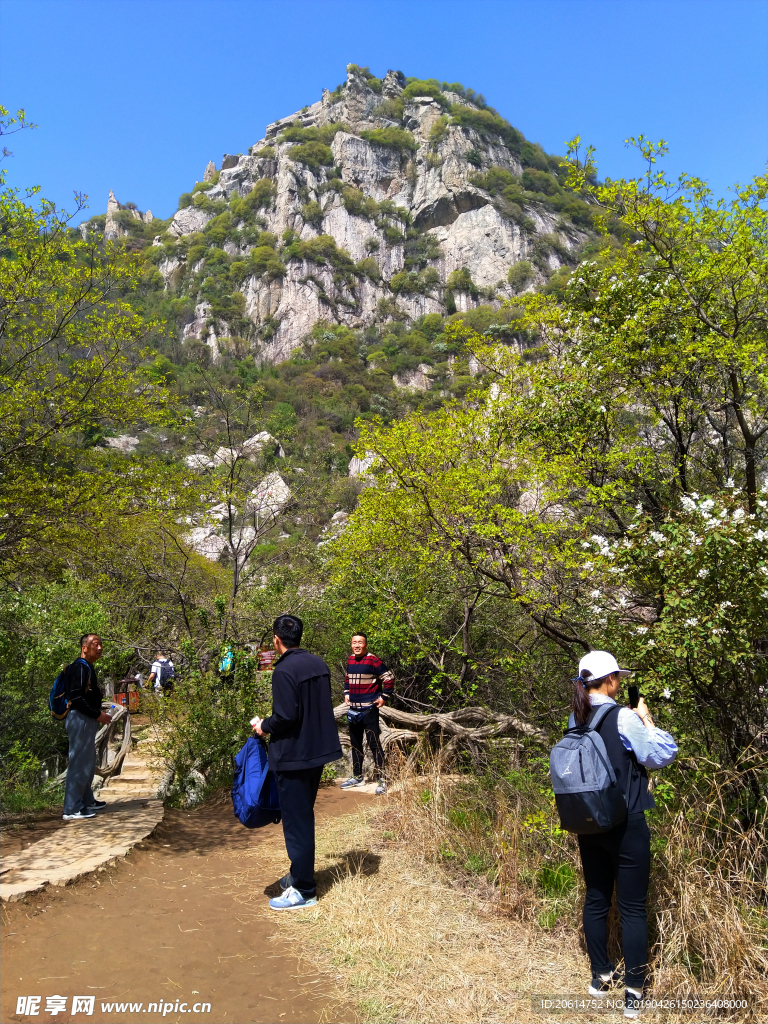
x=666 y=693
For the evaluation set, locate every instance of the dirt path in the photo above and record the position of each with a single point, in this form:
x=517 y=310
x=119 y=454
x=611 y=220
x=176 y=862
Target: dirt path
x=161 y=927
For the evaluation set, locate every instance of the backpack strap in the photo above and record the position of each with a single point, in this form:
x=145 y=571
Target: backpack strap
x=597 y=720
x=598 y=717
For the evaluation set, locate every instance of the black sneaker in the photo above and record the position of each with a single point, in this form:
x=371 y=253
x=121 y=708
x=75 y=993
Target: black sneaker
x=603 y=982
x=632 y=1001
x=97 y=805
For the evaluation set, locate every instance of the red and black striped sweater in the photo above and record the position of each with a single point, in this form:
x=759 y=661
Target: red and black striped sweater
x=366 y=680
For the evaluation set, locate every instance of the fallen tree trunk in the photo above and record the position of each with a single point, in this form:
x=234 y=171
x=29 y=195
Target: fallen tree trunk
x=465 y=729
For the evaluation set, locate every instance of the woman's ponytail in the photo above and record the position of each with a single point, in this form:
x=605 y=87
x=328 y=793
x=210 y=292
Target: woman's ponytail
x=581 y=706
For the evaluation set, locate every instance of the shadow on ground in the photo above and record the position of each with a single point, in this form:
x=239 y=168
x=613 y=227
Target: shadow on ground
x=353 y=862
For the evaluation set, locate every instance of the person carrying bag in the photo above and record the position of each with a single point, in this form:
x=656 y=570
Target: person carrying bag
x=601 y=788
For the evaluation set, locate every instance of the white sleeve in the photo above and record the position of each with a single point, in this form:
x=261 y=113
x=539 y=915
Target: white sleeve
x=652 y=747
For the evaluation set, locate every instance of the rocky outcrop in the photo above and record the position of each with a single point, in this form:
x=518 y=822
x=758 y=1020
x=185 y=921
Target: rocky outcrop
x=417 y=379
x=190 y=219
x=113 y=229
x=378 y=199
x=123 y=443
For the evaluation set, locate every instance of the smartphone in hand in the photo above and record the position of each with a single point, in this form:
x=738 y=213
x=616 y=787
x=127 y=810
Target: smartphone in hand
x=634 y=696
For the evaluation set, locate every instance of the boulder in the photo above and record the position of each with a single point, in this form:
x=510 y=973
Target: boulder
x=188 y=220
x=123 y=443
x=269 y=497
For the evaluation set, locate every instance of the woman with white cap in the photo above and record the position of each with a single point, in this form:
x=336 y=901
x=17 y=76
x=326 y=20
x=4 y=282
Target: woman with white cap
x=620 y=857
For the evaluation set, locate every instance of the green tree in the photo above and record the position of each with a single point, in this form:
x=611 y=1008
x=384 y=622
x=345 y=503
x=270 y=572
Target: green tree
x=637 y=389
x=70 y=374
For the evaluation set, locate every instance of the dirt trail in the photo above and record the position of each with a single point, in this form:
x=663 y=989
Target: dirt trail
x=161 y=927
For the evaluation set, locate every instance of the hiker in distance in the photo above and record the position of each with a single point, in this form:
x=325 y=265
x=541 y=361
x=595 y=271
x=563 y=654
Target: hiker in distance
x=621 y=856
x=84 y=717
x=368 y=683
x=302 y=738
x=161 y=674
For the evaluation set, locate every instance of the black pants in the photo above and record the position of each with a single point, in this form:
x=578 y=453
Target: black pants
x=370 y=729
x=297 y=791
x=621 y=857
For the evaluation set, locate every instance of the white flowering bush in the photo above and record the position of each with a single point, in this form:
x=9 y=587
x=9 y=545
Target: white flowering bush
x=696 y=624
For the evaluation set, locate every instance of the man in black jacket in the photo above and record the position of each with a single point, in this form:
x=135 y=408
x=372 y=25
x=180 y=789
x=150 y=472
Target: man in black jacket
x=303 y=737
x=82 y=723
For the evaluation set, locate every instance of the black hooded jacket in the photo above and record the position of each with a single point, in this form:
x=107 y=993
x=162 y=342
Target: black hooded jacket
x=302 y=729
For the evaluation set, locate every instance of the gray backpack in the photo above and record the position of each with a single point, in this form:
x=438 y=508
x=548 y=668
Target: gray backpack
x=587 y=794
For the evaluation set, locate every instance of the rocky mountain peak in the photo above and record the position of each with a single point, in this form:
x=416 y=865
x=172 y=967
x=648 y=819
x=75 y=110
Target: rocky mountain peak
x=386 y=199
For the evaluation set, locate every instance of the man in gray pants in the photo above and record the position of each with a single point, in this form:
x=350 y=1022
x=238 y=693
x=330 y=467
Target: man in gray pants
x=82 y=723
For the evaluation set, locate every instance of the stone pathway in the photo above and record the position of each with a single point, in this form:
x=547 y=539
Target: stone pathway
x=78 y=847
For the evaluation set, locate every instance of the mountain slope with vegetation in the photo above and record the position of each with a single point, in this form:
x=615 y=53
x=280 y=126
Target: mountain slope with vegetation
x=566 y=444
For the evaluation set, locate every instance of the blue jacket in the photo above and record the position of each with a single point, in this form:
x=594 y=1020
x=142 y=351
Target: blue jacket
x=302 y=730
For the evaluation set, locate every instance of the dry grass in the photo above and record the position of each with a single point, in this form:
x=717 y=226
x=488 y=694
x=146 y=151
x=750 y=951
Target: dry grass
x=432 y=909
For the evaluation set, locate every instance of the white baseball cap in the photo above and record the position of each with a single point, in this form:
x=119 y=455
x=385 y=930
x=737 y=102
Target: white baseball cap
x=599 y=664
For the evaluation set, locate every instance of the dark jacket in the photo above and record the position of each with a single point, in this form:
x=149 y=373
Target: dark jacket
x=82 y=688
x=302 y=729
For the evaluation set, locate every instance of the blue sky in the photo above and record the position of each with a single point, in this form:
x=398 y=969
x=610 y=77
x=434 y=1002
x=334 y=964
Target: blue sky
x=137 y=95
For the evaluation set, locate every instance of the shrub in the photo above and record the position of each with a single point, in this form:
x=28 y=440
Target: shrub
x=540 y=181
x=420 y=250
x=438 y=131
x=495 y=180
x=519 y=274
x=466 y=94
x=314 y=133
x=266 y=153
x=389 y=110
x=429 y=88
x=282 y=420
x=322 y=250
x=411 y=282
x=474 y=158
x=217 y=230
x=312 y=213
x=185 y=199
x=313 y=154
x=195 y=253
x=532 y=155
x=260 y=196
x=357 y=203
x=461 y=281
x=482 y=121
x=264 y=262
x=204 y=725
x=393 y=138
x=371 y=80
x=202 y=186
x=370 y=268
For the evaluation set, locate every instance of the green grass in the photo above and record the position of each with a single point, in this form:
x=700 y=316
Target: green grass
x=27 y=799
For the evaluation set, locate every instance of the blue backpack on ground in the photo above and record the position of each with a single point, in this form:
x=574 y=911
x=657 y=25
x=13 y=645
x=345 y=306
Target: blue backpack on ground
x=57 y=698
x=254 y=791
x=587 y=792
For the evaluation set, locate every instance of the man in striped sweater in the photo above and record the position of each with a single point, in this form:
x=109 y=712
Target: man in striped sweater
x=367 y=685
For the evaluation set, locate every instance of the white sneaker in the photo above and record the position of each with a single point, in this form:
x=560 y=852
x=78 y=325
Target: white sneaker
x=291 y=899
x=381 y=788
x=79 y=816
